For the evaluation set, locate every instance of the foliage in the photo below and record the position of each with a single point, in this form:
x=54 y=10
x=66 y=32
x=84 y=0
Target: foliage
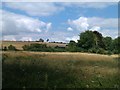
x=98 y=39
x=116 y=45
x=42 y=48
x=59 y=49
x=86 y=40
x=12 y=48
x=4 y=48
x=108 y=43
x=94 y=42
x=47 y=40
x=41 y=40
x=36 y=47
x=72 y=46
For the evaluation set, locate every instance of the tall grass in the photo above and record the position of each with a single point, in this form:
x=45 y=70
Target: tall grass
x=59 y=70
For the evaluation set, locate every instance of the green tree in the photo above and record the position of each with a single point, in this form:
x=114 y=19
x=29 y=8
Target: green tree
x=116 y=45
x=108 y=43
x=72 y=46
x=47 y=40
x=98 y=40
x=87 y=40
x=41 y=40
x=4 y=48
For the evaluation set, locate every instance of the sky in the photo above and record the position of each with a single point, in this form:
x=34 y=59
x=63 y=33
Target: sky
x=57 y=21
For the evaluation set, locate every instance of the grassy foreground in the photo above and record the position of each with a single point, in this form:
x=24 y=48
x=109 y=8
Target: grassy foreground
x=59 y=70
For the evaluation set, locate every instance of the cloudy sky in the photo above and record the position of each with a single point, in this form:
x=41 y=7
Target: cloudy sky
x=57 y=21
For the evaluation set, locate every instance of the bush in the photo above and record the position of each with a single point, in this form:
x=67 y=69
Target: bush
x=100 y=51
x=12 y=48
x=97 y=50
x=116 y=51
x=109 y=52
x=59 y=49
x=92 y=50
x=37 y=47
x=25 y=47
x=4 y=48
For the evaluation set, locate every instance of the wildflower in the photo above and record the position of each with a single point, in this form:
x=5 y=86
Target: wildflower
x=87 y=86
x=92 y=81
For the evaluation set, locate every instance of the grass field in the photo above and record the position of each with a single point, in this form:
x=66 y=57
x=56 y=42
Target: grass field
x=59 y=70
x=19 y=44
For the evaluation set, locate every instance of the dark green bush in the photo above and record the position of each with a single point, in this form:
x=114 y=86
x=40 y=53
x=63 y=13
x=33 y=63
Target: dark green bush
x=25 y=47
x=12 y=48
x=100 y=51
x=97 y=50
x=4 y=48
x=38 y=47
x=92 y=50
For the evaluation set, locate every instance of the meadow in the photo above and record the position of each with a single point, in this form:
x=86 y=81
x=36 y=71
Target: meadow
x=22 y=69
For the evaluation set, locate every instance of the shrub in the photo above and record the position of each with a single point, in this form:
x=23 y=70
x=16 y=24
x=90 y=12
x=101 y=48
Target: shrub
x=4 y=48
x=92 y=50
x=12 y=48
x=25 y=47
x=59 y=49
x=100 y=51
x=116 y=51
x=97 y=50
x=37 y=47
x=109 y=53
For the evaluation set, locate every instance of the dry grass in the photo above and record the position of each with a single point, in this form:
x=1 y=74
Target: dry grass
x=86 y=58
x=65 y=55
x=64 y=69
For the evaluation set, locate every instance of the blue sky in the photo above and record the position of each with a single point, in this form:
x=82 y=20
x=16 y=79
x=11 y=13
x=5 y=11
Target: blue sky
x=57 y=21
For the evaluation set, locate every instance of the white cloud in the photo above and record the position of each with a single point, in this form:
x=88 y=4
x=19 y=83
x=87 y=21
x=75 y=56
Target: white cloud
x=50 y=8
x=61 y=0
x=69 y=29
x=103 y=22
x=9 y=37
x=26 y=39
x=57 y=36
x=36 y=8
x=0 y=23
x=13 y=24
x=80 y=24
x=106 y=26
x=84 y=23
x=95 y=28
x=96 y=5
x=111 y=33
x=75 y=38
x=48 y=27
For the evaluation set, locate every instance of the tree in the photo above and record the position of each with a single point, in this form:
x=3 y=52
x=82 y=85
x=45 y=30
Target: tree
x=41 y=40
x=4 y=48
x=47 y=40
x=116 y=45
x=87 y=40
x=108 y=43
x=72 y=46
x=98 y=40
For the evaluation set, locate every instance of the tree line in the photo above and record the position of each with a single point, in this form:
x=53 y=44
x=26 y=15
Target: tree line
x=89 y=41
x=94 y=42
